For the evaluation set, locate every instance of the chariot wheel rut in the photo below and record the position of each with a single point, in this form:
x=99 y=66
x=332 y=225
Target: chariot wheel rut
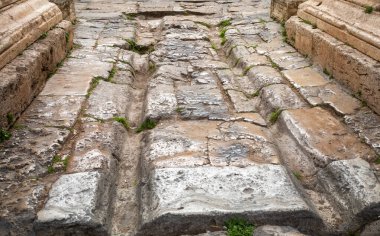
x=171 y=118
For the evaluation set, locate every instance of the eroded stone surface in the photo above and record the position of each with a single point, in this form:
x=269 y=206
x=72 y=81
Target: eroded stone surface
x=75 y=199
x=323 y=137
x=219 y=192
x=107 y=101
x=354 y=188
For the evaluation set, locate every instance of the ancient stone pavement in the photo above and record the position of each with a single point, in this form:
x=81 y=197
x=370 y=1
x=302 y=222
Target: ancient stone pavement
x=171 y=117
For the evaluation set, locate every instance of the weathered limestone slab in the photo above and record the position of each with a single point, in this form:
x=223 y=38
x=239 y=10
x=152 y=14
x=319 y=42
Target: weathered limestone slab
x=317 y=90
x=278 y=97
x=57 y=111
x=201 y=101
x=272 y=230
x=282 y=10
x=19 y=204
x=30 y=151
x=323 y=137
x=77 y=204
x=336 y=19
x=262 y=76
x=161 y=102
x=108 y=100
x=24 y=77
x=242 y=102
x=367 y=124
x=97 y=147
x=352 y=185
x=185 y=200
x=179 y=144
x=356 y=70
x=23 y=24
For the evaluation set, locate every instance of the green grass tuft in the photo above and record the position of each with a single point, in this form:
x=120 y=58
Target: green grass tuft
x=297 y=175
x=140 y=49
x=122 y=121
x=225 y=23
x=146 y=125
x=94 y=83
x=239 y=227
x=377 y=161
x=273 y=117
x=10 y=118
x=44 y=35
x=4 y=135
x=368 y=9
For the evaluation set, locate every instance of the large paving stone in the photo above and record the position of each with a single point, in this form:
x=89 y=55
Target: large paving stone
x=77 y=204
x=57 y=111
x=161 y=102
x=179 y=144
x=108 y=100
x=323 y=137
x=262 y=76
x=30 y=150
x=19 y=204
x=201 y=101
x=367 y=124
x=98 y=146
x=189 y=200
x=278 y=96
x=317 y=90
x=353 y=186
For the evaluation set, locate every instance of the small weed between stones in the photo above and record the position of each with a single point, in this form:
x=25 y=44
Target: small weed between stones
x=122 y=121
x=94 y=82
x=273 y=117
x=179 y=109
x=146 y=125
x=67 y=36
x=4 y=135
x=225 y=23
x=377 y=161
x=58 y=162
x=274 y=65
x=129 y=16
x=222 y=32
x=44 y=35
x=239 y=227
x=10 y=118
x=140 y=49
x=297 y=175
x=368 y=9
x=213 y=46
x=111 y=73
x=255 y=94
x=246 y=70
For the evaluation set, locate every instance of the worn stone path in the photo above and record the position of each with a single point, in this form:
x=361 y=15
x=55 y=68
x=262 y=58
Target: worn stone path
x=239 y=124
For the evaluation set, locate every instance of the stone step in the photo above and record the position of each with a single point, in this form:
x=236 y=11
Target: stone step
x=336 y=19
x=22 y=24
x=340 y=61
x=282 y=10
x=23 y=78
x=192 y=200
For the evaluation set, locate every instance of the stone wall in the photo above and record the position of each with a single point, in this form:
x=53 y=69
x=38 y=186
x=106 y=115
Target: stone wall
x=344 y=40
x=33 y=40
x=67 y=7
